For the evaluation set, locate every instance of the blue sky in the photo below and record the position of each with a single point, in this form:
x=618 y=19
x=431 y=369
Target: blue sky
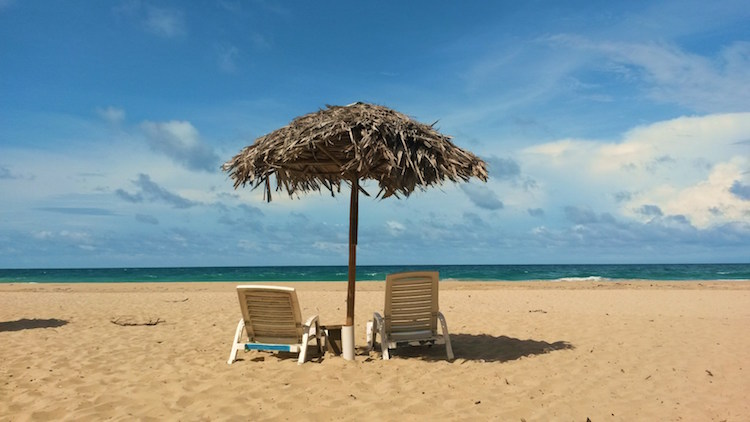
x=615 y=132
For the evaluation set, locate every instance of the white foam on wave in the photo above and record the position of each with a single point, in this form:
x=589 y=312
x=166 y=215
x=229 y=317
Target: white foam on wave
x=589 y=278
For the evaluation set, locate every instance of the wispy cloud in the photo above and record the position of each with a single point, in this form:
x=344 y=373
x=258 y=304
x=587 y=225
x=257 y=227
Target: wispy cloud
x=272 y=7
x=535 y=212
x=650 y=211
x=503 y=168
x=242 y=215
x=482 y=196
x=112 y=115
x=577 y=215
x=329 y=247
x=148 y=190
x=660 y=234
x=163 y=22
x=4 y=4
x=5 y=173
x=77 y=210
x=169 y=23
x=63 y=234
x=227 y=56
x=671 y=74
x=147 y=219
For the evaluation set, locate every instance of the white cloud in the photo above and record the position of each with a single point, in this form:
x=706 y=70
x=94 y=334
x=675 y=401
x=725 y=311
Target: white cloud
x=708 y=202
x=181 y=141
x=685 y=166
x=394 y=228
x=181 y=133
x=682 y=141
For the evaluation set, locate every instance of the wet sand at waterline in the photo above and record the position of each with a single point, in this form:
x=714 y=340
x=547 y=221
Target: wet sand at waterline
x=627 y=350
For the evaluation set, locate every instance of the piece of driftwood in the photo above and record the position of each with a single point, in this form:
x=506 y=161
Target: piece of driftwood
x=130 y=321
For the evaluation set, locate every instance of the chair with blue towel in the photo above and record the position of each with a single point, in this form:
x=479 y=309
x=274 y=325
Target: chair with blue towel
x=272 y=321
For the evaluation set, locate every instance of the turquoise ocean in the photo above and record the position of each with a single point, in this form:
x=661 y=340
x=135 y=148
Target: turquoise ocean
x=671 y=272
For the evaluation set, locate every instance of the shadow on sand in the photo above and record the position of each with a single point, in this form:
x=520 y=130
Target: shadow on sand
x=27 y=324
x=473 y=347
x=483 y=348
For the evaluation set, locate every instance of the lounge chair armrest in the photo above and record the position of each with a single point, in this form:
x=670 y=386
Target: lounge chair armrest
x=443 y=323
x=309 y=323
x=307 y=329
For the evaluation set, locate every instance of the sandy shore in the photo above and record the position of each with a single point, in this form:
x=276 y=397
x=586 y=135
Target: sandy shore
x=629 y=351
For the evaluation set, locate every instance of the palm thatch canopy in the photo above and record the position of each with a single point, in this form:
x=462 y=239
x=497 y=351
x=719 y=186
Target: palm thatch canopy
x=358 y=141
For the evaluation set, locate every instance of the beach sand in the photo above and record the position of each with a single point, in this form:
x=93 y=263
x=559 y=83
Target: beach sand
x=537 y=351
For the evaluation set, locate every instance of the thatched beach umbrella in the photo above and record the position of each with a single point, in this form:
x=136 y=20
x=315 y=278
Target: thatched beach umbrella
x=348 y=144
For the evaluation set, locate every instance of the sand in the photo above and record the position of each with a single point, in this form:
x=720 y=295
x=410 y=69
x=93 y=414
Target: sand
x=539 y=351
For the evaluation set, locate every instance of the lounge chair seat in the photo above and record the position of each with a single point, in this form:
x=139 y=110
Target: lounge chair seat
x=272 y=321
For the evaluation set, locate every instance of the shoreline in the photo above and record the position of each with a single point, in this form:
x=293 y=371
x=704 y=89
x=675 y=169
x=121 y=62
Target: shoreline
x=369 y=285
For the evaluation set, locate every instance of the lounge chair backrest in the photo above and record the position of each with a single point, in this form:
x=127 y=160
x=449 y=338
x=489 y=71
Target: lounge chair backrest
x=411 y=305
x=271 y=314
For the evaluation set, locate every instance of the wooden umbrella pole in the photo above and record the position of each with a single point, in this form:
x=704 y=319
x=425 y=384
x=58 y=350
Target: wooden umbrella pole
x=353 y=222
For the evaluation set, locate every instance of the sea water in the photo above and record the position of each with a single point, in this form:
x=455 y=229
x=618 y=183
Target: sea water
x=673 y=272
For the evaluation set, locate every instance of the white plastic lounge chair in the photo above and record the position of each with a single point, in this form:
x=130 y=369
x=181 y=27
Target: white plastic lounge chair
x=411 y=313
x=272 y=321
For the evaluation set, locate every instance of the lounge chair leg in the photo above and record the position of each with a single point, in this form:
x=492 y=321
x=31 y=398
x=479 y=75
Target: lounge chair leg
x=384 y=345
x=378 y=326
x=446 y=336
x=236 y=343
x=369 y=334
x=303 y=349
x=317 y=337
